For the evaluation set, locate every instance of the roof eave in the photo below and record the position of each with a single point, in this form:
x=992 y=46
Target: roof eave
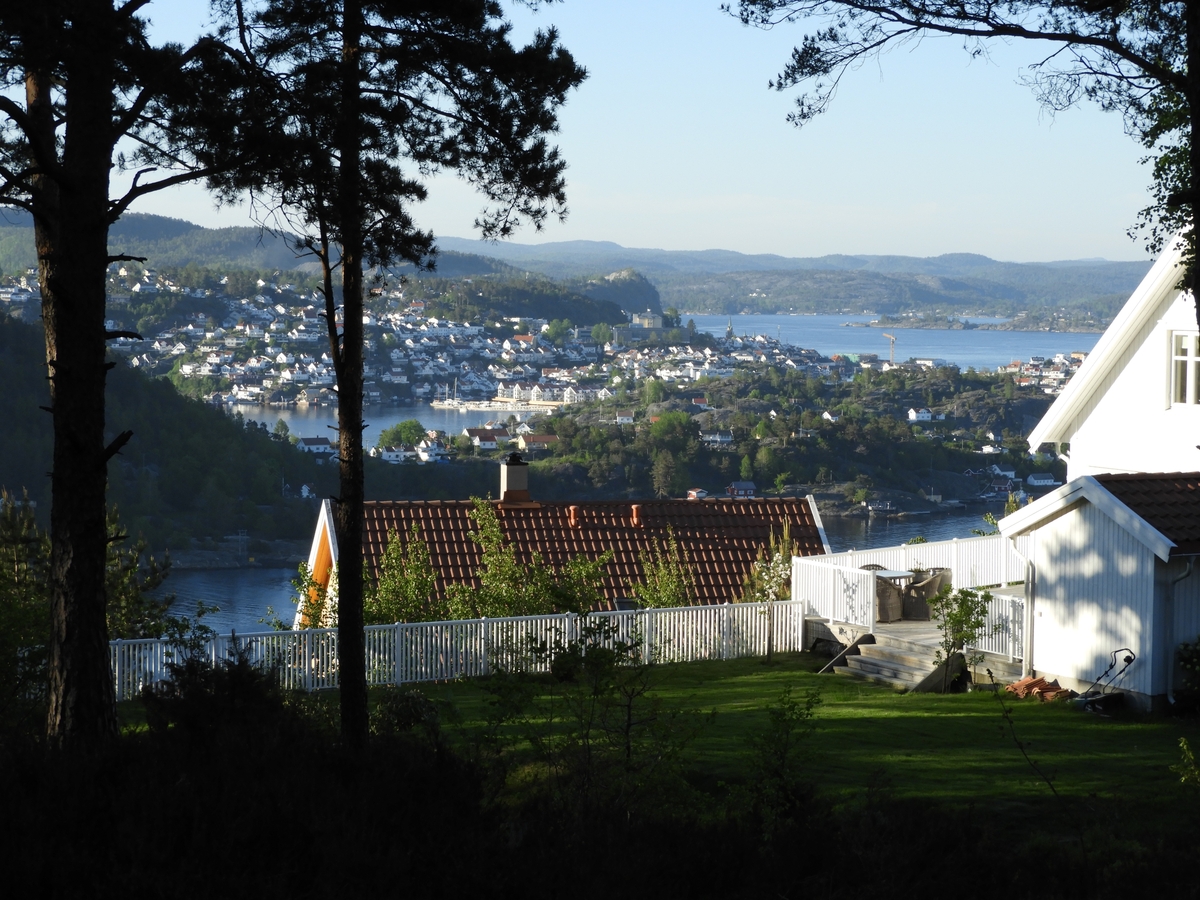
x=1078 y=490
x=1157 y=287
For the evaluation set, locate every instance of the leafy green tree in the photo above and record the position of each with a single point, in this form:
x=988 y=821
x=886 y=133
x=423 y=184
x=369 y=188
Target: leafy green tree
x=602 y=333
x=24 y=606
x=368 y=99
x=281 y=431
x=674 y=431
x=667 y=573
x=1136 y=58
x=770 y=578
x=509 y=587
x=405 y=590
x=670 y=317
x=746 y=470
x=408 y=433
x=131 y=573
x=557 y=331
x=654 y=390
x=25 y=596
x=663 y=474
x=961 y=617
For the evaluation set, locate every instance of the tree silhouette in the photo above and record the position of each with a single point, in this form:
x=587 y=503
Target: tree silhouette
x=369 y=99
x=98 y=98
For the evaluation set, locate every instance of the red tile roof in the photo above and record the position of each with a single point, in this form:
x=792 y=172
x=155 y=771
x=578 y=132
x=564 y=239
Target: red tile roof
x=721 y=537
x=1169 y=502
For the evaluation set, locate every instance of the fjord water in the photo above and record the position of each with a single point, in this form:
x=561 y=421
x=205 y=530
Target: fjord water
x=981 y=349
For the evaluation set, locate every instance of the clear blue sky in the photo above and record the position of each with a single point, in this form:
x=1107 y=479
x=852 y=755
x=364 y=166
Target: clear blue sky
x=674 y=141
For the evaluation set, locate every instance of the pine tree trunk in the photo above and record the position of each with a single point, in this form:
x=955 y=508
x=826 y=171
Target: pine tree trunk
x=349 y=524
x=70 y=231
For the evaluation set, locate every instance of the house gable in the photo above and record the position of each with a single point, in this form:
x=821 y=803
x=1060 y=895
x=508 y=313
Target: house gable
x=1118 y=413
x=1086 y=490
x=1108 y=576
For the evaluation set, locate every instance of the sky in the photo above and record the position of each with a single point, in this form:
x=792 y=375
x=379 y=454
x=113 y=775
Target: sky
x=676 y=142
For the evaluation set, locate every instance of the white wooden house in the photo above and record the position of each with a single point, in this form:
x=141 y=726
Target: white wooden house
x=1111 y=571
x=1134 y=404
x=1111 y=564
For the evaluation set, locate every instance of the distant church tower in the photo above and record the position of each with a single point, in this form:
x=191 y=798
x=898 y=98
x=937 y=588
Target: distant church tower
x=729 y=328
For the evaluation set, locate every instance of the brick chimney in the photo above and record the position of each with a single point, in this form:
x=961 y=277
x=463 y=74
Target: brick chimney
x=573 y=516
x=636 y=515
x=514 y=480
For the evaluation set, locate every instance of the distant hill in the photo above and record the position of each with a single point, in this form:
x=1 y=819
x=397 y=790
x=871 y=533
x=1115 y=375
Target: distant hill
x=728 y=282
x=585 y=257
x=627 y=289
x=636 y=279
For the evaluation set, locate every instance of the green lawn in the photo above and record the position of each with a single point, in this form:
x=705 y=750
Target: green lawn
x=954 y=749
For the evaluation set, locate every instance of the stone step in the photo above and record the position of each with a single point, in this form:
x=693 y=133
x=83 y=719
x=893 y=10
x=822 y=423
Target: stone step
x=872 y=676
x=898 y=655
x=893 y=670
x=913 y=648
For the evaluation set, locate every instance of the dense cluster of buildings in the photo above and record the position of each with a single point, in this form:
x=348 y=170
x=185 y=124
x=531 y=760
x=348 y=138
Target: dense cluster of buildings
x=272 y=348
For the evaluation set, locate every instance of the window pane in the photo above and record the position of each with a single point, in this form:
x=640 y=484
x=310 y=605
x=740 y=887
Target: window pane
x=1179 y=381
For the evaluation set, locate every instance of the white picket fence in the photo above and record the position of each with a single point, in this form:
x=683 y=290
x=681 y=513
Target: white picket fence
x=1004 y=630
x=837 y=588
x=439 y=651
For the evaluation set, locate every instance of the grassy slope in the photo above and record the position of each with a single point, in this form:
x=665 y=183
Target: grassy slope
x=953 y=749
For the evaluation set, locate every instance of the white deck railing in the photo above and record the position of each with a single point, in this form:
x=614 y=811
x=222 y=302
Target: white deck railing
x=438 y=651
x=837 y=588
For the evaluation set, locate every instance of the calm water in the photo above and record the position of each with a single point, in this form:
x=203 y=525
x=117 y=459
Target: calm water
x=243 y=596
x=830 y=335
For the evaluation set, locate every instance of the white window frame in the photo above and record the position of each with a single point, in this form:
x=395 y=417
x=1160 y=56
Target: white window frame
x=1184 y=373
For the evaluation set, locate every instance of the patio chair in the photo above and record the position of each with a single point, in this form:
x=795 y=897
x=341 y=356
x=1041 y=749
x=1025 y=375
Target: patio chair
x=918 y=594
x=889 y=600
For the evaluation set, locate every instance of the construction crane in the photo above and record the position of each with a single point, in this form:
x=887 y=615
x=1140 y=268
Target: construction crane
x=892 y=351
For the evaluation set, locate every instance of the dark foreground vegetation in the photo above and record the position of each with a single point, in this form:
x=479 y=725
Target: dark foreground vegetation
x=604 y=779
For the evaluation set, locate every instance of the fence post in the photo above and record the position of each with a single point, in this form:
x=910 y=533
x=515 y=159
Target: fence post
x=307 y=647
x=725 y=629
x=117 y=671
x=483 y=639
x=647 y=644
x=1012 y=637
x=399 y=653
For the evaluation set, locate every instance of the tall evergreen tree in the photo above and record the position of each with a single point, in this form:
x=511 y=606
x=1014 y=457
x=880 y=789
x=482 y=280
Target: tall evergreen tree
x=98 y=97
x=372 y=96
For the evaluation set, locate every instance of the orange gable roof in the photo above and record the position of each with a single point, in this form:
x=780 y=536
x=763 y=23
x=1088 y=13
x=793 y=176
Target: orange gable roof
x=721 y=537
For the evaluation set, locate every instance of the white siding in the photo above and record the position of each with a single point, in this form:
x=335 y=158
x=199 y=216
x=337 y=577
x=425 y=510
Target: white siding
x=1133 y=427
x=1095 y=594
